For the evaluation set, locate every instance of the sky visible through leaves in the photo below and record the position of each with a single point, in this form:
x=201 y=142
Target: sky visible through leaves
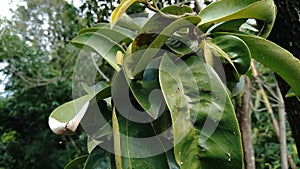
x=6 y=11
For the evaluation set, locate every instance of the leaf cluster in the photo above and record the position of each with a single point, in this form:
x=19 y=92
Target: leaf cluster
x=175 y=75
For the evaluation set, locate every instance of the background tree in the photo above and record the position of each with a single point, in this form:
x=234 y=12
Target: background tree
x=39 y=66
x=285 y=33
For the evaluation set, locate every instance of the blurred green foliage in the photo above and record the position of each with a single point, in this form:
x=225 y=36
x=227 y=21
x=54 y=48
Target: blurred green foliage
x=38 y=69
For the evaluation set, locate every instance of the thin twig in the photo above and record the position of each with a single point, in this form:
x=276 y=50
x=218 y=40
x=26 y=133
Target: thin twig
x=282 y=130
x=74 y=145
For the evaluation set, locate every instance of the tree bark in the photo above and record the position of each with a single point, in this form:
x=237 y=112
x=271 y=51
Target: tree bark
x=286 y=34
x=244 y=118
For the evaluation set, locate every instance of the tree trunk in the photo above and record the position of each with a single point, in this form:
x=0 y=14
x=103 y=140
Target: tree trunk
x=244 y=118
x=286 y=34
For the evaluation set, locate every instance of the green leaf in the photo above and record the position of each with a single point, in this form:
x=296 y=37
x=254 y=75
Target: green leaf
x=66 y=118
x=76 y=163
x=127 y=22
x=135 y=151
x=182 y=42
x=134 y=64
x=120 y=10
x=98 y=159
x=205 y=129
x=228 y=26
x=236 y=49
x=264 y=10
x=101 y=44
x=276 y=58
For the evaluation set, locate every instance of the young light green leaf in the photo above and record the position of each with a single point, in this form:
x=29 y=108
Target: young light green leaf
x=120 y=10
x=205 y=128
x=116 y=136
x=127 y=22
x=264 y=10
x=104 y=46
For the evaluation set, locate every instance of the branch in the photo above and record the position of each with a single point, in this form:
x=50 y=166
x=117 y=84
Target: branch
x=282 y=130
x=244 y=117
x=97 y=68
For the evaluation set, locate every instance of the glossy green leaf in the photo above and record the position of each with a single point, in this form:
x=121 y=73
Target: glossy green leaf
x=276 y=58
x=66 y=118
x=227 y=26
x=135 y=64
x=225 y=10
x=183 y=43
x=76 y=163
x=236 y=49
x=205 y=129
x=138 y=154
x=98 y=159
x=101 y=44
